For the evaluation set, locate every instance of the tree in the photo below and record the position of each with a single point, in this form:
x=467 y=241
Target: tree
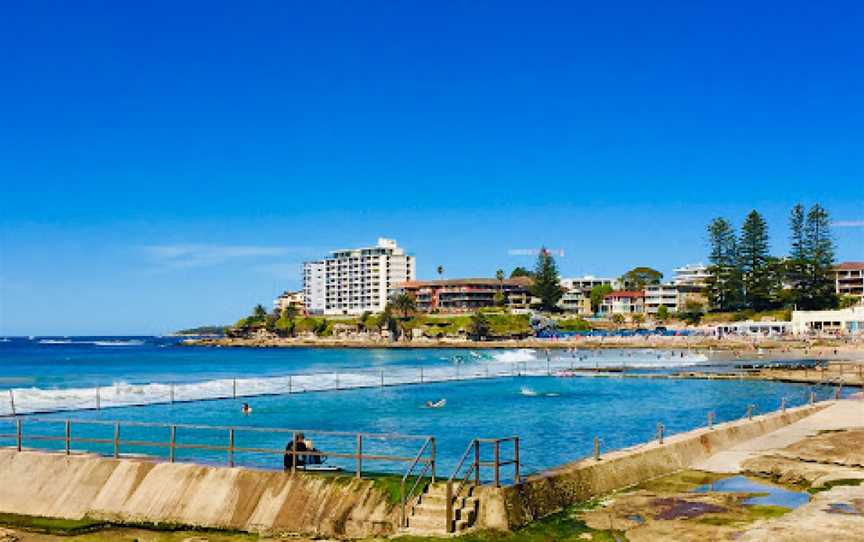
x=259 y=312
x=753 y=261
x=440 y=270
x=479 y=326
x=692 y=313
x=546 y=285
x=662 y=313
x=405 y=304
x=285 y=323
x=520 y=272
x=637 y=319
x=817 y=289
x=597 y=294
x=638 y=277
x=618 y=319
x=723 y=285
x=499 y=299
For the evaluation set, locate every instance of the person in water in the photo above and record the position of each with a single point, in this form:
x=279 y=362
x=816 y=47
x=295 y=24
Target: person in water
x=298 y=445
x=436 y=404
x=246 y=409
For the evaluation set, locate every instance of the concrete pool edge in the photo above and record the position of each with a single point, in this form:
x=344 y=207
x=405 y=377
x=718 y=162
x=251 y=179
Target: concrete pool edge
x=135 y=492
x=553 y=490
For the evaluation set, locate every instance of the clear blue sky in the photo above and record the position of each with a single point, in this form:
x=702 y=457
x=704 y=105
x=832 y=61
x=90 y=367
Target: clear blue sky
x=166 y=164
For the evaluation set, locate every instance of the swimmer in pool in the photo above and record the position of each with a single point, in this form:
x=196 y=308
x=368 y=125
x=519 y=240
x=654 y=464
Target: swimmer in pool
x=436 y=404
x=246 y=409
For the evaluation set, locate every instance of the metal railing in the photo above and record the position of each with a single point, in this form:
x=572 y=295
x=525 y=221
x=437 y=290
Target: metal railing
x=413 y=493
x=474 y=470
x=120 y=446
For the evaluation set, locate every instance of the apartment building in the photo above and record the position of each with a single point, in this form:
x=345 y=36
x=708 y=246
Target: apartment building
x=290 y=299
x=577 y=290
x=691 y=275
x=468 y=294
x=314 y=284
x=359 y=279
x=623 y=302
x=662 y=295
x=849 y=279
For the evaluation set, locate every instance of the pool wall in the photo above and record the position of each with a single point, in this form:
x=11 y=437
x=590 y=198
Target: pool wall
x=553 y=490
x=129 y=491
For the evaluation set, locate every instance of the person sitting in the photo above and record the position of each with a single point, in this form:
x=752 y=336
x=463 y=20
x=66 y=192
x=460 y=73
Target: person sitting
x=295 y=459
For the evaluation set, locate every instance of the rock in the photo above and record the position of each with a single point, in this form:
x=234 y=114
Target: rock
x=8 y=536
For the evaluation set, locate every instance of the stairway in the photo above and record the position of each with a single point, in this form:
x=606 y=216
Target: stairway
x=429 y=515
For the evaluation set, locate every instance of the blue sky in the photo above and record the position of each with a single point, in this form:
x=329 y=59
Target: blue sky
x=166 y=164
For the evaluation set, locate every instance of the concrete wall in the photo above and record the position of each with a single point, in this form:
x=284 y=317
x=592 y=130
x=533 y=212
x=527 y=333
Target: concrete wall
x=553 y=490
x=132 y=491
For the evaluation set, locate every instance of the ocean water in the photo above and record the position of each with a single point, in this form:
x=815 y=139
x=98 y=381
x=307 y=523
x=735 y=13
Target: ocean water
x=488 y=394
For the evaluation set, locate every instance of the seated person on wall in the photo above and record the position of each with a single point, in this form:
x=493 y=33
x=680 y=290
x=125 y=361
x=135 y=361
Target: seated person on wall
x=297 y=445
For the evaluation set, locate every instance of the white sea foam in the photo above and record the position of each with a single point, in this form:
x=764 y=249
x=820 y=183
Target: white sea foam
x=501 y=364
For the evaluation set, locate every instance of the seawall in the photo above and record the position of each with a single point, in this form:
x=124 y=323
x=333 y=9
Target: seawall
x=133 y=491
x=553 y=490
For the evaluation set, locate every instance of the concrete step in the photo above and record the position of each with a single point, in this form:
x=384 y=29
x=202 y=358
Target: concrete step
x=436 y=523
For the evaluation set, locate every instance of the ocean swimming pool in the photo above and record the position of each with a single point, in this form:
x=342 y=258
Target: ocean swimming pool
x=489 y=394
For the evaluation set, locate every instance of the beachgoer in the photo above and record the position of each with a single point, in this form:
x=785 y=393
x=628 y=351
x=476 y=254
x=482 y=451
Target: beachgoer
x=246 y=409
x=298 y=445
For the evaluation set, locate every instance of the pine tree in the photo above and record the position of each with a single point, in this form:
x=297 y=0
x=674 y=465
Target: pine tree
x=793 y=272
x=546 y=285
x=724 y=281
x=816 y=291
x=753 y=262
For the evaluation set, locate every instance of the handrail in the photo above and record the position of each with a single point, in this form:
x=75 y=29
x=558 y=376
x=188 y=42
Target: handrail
x=496 y=464
x=405 y=497
x=172 y=445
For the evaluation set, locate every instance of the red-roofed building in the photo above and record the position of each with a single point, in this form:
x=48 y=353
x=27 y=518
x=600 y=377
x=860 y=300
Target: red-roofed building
x=467 y=295
x=849 y=279
x=623 y=302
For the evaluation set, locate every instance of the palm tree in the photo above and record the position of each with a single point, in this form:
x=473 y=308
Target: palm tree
x=405 y=304
x=500 y=297
x=440 y=271
x=259 y=311
x=290 y=313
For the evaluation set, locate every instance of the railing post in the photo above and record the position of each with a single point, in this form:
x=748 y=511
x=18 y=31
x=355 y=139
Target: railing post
x=477 y=462
x=421 y=375
x=12 y=401
x=234 y=388
x=19 y=434
x=359 y=455
x=98 y=399
x=293 y=452
x=448 y=512
x=116 y=440
x=172 y=443
x=711 y=420
x=812 y=398
x=750 y=412
x=231 y=447
x=290 y=383
x=516 y=477
x=782 y=404
x=660 y=429
x=597 y=448
x=496 y=462
x=172 y=393
x=837 y=392
x=434 y=457
x=68 y=437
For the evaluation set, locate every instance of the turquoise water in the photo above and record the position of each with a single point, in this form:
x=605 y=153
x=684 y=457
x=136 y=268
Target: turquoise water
x=555 y=418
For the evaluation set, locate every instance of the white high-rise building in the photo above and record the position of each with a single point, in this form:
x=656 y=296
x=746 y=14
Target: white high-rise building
x=356 y=280
x=314 y=295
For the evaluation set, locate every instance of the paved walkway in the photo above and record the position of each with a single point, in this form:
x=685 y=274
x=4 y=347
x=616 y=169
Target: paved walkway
x=845 y=414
